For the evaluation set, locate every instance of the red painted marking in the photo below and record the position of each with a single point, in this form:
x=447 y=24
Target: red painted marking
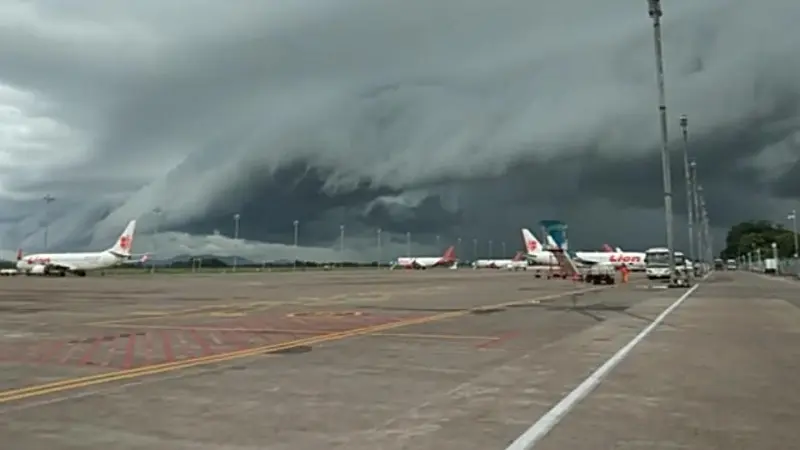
x=130 y=351
x=201 y=342
x=87 y=357
x=167 y=346
x=499 y=339
x=148 y=345
x=52 y=350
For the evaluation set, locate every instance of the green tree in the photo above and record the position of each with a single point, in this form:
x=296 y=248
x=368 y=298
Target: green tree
x=756 y=235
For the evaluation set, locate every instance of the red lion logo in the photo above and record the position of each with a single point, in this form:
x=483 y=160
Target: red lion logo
x=532 y=245
x=125 y=242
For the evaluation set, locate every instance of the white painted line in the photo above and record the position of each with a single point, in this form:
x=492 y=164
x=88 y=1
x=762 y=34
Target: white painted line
x=550 y=419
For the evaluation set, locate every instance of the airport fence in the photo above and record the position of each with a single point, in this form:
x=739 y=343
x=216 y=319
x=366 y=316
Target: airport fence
x=790 y=267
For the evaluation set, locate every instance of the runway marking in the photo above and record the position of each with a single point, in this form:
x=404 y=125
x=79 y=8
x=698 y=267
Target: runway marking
x=11 y=395
x=454 y=337
x=545 y=424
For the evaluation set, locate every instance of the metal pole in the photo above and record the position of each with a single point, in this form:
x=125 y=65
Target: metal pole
x=47 y=200
x=655 y=14
x=693 y=168
x=408 y=244
x=438 y=242
x=341 y=245
x=236 y=218
x=380 y=253
x=458 y=248
x=157 y=212
x=793 y=216
x=296 y=224
x=684 y=121
x=504 y=249
x=474 y=249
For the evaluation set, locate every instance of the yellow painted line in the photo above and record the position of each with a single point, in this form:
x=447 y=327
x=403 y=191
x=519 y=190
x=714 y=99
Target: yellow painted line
x=454 y=337
x=103 y=378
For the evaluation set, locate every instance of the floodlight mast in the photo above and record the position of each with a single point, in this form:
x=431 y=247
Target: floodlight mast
x=654 y=9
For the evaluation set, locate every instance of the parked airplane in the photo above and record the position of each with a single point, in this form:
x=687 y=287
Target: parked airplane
x=535 y=253
x=634 y=260
x=517 y=262
x=426 y=262
x=79 y=263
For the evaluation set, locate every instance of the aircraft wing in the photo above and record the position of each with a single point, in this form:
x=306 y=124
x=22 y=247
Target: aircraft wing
x=59 y=266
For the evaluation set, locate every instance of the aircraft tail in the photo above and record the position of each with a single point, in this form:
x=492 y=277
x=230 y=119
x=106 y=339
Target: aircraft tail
x=125 y=241
x=551 y=242
x=607 y=248
x=618 y=250
x=532 y=245
x=449 y=254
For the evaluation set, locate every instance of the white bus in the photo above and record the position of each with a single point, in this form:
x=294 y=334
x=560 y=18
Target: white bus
x=656 y=262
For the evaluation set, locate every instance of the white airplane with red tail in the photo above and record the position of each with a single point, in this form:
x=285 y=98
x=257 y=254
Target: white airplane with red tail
x=536 y=254
x=426 y=262
x=633 y=260
x=79 y=263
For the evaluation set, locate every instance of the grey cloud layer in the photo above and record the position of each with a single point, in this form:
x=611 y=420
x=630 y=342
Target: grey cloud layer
x=449 y=117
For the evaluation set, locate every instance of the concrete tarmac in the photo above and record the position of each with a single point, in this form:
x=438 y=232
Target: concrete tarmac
x=425 y=360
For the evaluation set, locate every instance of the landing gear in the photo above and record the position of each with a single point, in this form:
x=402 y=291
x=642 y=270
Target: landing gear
x=61 y=273
x=79 y=273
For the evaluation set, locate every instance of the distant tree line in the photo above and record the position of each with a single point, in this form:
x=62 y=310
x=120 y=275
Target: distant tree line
x=754 y=235
x=217 y=263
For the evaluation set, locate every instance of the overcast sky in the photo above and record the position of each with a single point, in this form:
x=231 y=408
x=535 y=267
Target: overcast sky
x=436 y=117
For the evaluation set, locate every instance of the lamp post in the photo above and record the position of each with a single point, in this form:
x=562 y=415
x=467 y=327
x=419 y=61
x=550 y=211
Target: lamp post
x=408 y=244
x=236 y=218
x=380 y=253
x=47 y=200
x=654 y=10
x=474 y=249
x=296 y=224
x=341 y=245
x=684 y=122
x=793 y=218
x=157 y=213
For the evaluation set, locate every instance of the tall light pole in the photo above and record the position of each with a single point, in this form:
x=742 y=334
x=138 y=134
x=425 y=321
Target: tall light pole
x=408 y=244
x=380 y=253
x=157 y=213
x=474 y=249
x=296 y=224
x=504 y=250
x=47 y=200
x=458 y=247
x=654 y=9
x=236 y=218
x=491 y=252
x=684 y=121
x=793 y=218
x=438 y=242
x=696 y=209
x=341 y=245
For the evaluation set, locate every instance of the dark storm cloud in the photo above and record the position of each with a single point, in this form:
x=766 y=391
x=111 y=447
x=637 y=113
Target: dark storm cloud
x=456 y=118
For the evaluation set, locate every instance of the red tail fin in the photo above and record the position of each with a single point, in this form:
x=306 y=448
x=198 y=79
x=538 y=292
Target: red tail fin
x=449 y=254
x=607 y=248
x=19 y=254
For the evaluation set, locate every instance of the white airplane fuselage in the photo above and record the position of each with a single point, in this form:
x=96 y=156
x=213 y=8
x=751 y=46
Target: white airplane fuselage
x=634 y=260
x=78 y=262
x=422 y=261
